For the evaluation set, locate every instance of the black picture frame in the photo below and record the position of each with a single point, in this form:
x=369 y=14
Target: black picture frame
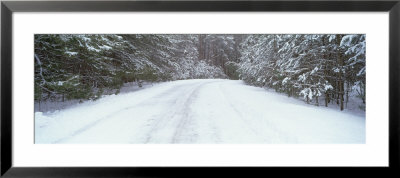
x=8 y=7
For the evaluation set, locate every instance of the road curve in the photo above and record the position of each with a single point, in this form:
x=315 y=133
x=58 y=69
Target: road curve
x=199 y=111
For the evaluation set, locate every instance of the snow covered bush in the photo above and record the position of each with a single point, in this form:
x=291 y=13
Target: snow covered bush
x=312 y=66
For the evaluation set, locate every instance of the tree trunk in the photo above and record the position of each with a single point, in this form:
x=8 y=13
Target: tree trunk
x=341 y=96
x=201 y=47
x=326 y=99
x=341 y=64
x=337 y=94
x=347 y=93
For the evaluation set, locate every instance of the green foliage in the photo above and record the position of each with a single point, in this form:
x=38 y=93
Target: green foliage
x=98 y=94
x=74 y=65
x=85 y=66
x=80 y=93
x=305 y=65
x=232 y=70
x=38 y=92
x=118 y=80
x=117 y=91
x=148 y=74
x=129 y=76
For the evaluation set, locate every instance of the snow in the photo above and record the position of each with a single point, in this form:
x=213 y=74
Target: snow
x=105 y=47
x=361 y=72
x=49 y=106
x=71 y=53
x=306 y=92
x=86 y=38
x=336 y=70
x=348 y=40
x=331 y=38
x=328 y=87
x=285 y=80
x=314 y=70
x=199 y=111
x=91 y=48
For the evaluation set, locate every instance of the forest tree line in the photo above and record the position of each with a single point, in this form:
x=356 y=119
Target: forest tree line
x=309 y=66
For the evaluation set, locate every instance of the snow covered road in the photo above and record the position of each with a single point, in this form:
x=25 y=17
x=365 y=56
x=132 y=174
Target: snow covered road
x=199 y=111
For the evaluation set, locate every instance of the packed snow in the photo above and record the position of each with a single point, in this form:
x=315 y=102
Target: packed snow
x=202 y=111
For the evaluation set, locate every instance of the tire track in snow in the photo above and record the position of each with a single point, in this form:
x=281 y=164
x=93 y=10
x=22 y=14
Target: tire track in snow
x=238 y=113
x=164 y=119
x=248 y=122
x=90 y=125
x=109 y=116
x=178 y=119
x=185 y=115
x=185 y=119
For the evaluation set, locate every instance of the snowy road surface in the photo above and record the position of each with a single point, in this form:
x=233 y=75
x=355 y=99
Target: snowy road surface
x=199 y=111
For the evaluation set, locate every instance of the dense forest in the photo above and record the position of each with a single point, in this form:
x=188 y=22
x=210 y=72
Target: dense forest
x=313 y=67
